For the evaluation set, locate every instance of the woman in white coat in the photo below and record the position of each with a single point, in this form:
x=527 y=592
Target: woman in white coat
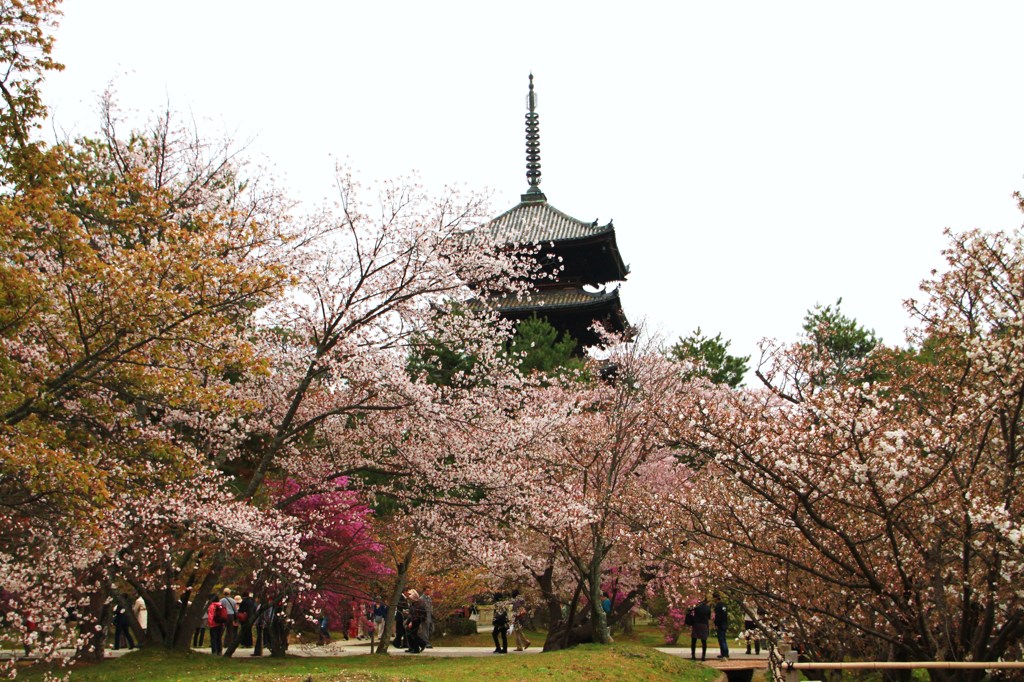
x=141 y=615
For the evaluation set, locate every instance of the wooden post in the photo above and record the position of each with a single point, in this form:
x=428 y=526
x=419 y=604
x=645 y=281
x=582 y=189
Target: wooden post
x=792 y=674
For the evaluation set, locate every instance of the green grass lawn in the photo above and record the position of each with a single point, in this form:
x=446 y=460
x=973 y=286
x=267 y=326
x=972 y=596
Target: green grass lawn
x=651 y=635
x=586 y=662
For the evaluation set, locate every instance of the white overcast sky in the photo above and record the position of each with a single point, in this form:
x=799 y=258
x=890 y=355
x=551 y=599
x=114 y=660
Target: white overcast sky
x=756 y=157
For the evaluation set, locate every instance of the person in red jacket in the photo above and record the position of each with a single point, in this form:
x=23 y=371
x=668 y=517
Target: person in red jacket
x=216 y=618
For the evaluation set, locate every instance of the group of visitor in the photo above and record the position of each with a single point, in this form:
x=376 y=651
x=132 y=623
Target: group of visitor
x=122 y=621
x=509 y=616
x=232 y=620
x=414 y=620
x=365 y=620
x=699 y=619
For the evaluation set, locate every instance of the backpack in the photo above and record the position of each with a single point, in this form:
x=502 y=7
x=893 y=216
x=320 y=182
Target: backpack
x=220 y=614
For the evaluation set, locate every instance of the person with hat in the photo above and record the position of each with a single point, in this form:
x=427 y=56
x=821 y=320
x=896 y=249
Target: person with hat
x=231 y=624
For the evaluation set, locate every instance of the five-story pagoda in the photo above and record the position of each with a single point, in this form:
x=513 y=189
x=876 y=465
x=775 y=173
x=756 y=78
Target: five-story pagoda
x=582 y=258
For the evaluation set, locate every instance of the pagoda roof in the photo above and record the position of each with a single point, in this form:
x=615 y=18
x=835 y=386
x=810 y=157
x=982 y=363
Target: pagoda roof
x=560 y=298
x=573 y=311
x=536 y=222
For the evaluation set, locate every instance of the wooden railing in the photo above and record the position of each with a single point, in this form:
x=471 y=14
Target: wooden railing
x=792 y=667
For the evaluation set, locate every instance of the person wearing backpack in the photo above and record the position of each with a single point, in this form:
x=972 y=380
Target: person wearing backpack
x=500 y=621
x=216 y=617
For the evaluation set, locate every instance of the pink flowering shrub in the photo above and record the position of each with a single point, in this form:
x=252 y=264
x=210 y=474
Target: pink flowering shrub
x=673 y=624
x=343 y=552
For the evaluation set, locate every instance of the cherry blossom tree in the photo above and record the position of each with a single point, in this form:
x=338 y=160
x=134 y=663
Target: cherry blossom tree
x=555 y=476
x=882 y=516
x=151 y=344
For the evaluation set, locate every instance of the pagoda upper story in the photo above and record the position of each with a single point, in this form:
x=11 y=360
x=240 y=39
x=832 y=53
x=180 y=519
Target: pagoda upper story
x=577 y=253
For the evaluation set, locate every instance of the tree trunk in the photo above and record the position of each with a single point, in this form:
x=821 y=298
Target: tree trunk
x=569 y=632
x=545 y=582
x=171 y=623
x=396 y=595
x=94 y=619
x=279 y=633
x=597 y=615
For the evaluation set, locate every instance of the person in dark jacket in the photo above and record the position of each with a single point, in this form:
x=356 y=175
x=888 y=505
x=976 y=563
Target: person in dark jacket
x=721 y=626
x=501 y=620
x=400 y=611
x=122 y=624
x=700 y=629
x=264 y=619
x=246 y=615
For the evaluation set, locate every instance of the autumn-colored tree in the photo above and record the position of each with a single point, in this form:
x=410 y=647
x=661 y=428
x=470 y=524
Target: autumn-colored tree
x=129 y=267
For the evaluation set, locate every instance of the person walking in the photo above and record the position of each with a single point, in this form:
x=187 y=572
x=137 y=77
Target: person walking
x=428 y=619
x=519 y=612
x=231 y=624
x=700 y=629
x=122 y=625
x=414 y=623
x=501 y=623
x=324 y=626
x=400 y=641
x=721 y=626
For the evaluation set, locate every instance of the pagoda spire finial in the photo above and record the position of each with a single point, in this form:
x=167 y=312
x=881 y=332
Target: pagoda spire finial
x=533 y=194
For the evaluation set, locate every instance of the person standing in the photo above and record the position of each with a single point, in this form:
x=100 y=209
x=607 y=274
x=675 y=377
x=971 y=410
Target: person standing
x=500 y=622
x=751 y=625
x=700 y=629
x=428 y=619
x=141 y=614
x=519 y=621
x=380 y=614
x=325 y=632
x=721 y=626
x=264 y=618
x=215 y=619
x=246 y=615
x=199 y=634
